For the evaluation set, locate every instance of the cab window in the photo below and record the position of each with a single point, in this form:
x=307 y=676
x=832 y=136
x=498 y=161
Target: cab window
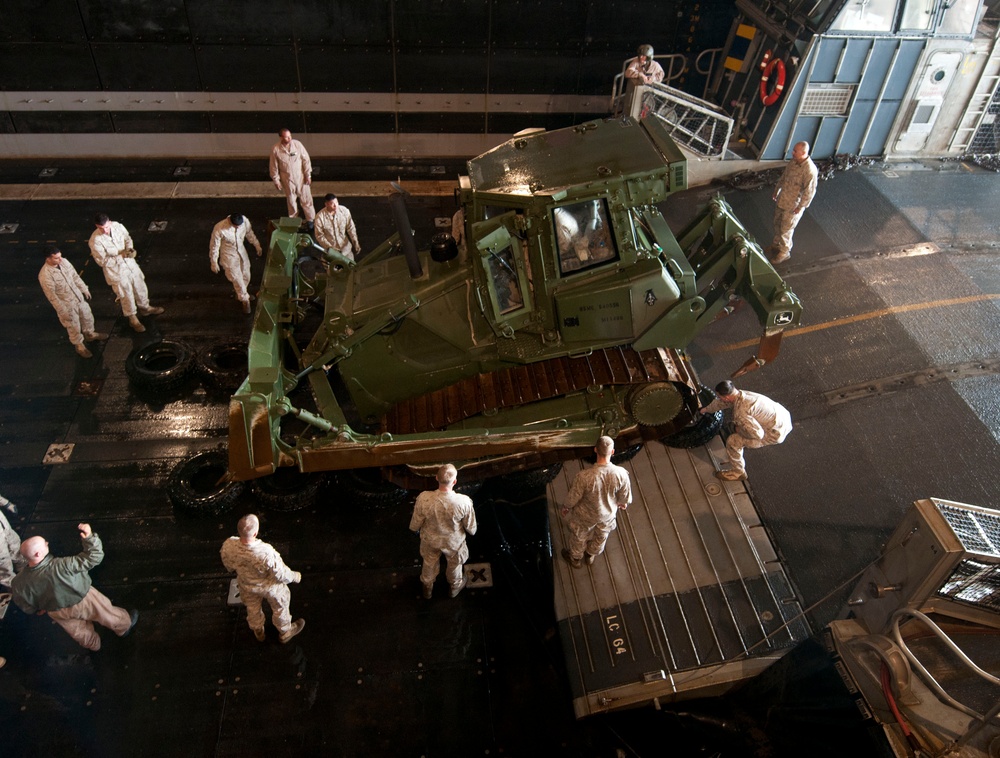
x=583 y=236
x=506 y=281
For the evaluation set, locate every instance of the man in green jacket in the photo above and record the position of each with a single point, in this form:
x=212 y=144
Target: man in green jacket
x=61 y=588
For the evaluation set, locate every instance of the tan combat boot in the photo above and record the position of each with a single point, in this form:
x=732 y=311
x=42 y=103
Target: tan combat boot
x=730 y=475
x=294 y=629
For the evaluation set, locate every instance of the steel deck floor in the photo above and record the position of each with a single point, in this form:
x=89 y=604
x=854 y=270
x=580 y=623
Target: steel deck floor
x=891 y=380
x=900 y=282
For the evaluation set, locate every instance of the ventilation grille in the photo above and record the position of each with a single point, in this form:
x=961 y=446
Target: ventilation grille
x=974 y=583
x=978 y=532
x=827 y=100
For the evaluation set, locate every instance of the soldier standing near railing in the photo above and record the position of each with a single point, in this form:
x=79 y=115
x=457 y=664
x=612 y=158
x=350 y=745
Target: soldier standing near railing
x=643 y=69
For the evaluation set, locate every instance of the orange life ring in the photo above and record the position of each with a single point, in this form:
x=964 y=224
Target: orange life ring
x=777 y=67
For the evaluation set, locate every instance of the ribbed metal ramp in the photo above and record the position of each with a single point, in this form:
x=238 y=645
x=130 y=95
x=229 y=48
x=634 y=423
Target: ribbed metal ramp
x=689 y=597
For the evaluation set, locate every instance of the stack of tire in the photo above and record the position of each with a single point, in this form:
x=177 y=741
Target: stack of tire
x=200 y=485
x=164 y=367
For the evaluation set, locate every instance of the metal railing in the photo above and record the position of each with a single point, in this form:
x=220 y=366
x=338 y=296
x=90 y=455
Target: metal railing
x=697 y=124
x=980 y=720
x=712 y=53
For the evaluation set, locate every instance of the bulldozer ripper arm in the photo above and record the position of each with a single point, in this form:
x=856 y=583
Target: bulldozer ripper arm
x=770 y=344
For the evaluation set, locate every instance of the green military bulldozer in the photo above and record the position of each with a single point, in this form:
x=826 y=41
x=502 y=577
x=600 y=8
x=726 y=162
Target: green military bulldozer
x=562 y=315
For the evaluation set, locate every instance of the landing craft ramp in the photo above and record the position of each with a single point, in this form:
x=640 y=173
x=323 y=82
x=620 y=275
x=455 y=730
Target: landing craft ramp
x=689 y=597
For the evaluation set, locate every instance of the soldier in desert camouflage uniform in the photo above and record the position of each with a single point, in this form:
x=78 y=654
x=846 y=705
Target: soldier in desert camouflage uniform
x=592 y=505
x=10 y=555
x=335 y=228
x=261 y=575
x=443 y=517
x=759 y=421
x=793 y=194
x=68 y=294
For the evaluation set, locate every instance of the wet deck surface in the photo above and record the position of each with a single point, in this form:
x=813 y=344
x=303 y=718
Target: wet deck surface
x=891 y=383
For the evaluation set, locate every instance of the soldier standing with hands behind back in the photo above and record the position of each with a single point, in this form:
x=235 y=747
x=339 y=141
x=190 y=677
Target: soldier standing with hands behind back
x=794 y=193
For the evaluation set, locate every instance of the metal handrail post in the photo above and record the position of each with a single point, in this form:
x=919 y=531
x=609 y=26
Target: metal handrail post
x=713 y=53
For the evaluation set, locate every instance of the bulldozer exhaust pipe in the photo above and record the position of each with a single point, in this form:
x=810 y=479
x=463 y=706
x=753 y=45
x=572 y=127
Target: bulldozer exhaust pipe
x=402 y=221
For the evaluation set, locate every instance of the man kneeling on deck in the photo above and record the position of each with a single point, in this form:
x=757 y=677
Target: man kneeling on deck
x=759 y=421
x=592 y=504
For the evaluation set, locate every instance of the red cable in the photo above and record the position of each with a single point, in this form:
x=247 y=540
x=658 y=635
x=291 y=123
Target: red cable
x=891 y=701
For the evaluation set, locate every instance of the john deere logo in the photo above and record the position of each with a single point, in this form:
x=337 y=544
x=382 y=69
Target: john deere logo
x=650 y=298
x=785 y=317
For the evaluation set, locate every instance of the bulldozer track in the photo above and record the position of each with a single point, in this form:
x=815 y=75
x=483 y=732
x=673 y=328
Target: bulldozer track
x=518 y=385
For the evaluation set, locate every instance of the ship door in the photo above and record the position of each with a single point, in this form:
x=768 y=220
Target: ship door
x=504 y=288
x=928 y=100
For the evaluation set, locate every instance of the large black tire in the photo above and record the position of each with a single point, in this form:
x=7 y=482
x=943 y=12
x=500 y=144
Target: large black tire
x=698 y=434
x=365 y=486
x=223 y=367
x=160 y=366
x=520 y=485
x=287 y=489
x=706 y=426
x=195 y=484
